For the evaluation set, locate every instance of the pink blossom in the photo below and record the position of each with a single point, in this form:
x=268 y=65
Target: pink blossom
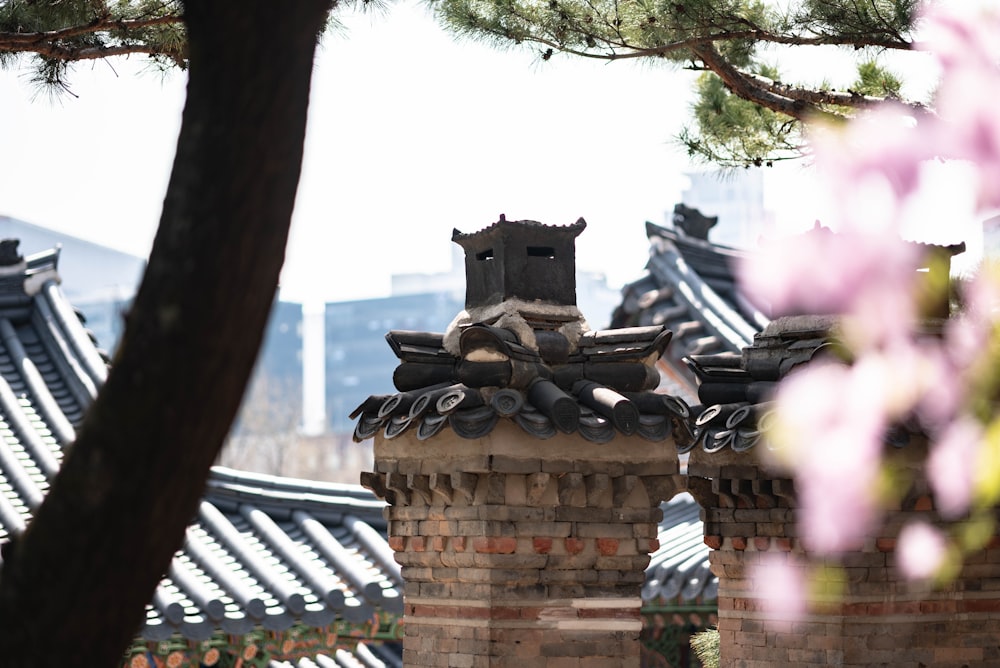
x=966 y=337
x=830 y=423
x=782 y=587
x=969 y=129
x=962 y=35
x=952 y=467
x=940 y=385
x=963 y=39
x=829 y=273
x=831 y=418
x=982 y=297
x=920 y=550
x=879 y=147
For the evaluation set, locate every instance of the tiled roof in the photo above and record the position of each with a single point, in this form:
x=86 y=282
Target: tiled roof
x=364 y=656
x=273 y=553
x=690 y=288
x=263 y=554
x=678 y=572
x=600 y=387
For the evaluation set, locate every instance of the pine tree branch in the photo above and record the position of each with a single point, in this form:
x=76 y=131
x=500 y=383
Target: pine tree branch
x=64 y=53
x=621 y=49
x=23 y=41
x=66 y=44
x=749 y=89
x=835 y=98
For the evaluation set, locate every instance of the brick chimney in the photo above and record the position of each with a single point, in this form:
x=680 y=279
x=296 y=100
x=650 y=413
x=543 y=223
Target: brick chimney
x=863 y=610
x=524 y=460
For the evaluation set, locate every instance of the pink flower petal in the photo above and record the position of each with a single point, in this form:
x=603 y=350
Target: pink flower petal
x=920 y=550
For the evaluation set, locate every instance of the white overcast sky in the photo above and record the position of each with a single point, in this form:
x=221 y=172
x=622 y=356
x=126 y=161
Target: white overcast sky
x=410 y=134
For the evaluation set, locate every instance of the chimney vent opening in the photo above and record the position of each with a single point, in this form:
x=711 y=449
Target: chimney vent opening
x=547 y=252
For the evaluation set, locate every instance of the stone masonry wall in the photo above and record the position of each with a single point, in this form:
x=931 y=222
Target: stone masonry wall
x=522 y=552
x=865 y=614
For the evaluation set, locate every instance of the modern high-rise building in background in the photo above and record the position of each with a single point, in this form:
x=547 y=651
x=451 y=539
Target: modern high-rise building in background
x=991 y=238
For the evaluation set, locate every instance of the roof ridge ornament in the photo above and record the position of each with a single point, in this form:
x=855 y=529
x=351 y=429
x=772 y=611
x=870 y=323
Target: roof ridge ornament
x=9 y=256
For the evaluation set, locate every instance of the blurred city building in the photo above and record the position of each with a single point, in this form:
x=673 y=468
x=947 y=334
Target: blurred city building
x=737 y=198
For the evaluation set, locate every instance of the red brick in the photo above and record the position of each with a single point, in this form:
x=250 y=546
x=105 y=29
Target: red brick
x=495 y=545
x=504 y=612
x=885 y=544
x=762 y=543
x=607 y=547
x=739 y=542
x=980 y=606
x=573 y=545
x=438 y=543
x=938 y=606
x=397 y=543
x=923 y=503
x=542 y=545
x=783 y=544
x=894 y=608
x=714 y=542
x=418 y=543
x=458 y=543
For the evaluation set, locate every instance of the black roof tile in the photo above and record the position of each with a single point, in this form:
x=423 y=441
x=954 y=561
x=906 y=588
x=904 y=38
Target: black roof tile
x=690 y=288
x=678 y=572
x=598 y=387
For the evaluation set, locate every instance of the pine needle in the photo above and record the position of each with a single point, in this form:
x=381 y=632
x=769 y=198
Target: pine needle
x=706 y=646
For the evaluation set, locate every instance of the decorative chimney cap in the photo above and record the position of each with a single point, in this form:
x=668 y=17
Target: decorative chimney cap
x=521 y=351
x=521 y=259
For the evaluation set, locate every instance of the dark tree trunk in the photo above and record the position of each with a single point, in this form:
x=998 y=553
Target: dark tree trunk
x=73 y=588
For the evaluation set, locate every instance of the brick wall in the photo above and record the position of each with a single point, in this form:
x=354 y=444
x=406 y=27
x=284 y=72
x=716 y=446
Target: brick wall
x=522 y=552
x=864 y=613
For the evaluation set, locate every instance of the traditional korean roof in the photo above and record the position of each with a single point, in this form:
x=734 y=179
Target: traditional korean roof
x=678 y=574
x=264 y=558
x=274 y=553
x=690 y=288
